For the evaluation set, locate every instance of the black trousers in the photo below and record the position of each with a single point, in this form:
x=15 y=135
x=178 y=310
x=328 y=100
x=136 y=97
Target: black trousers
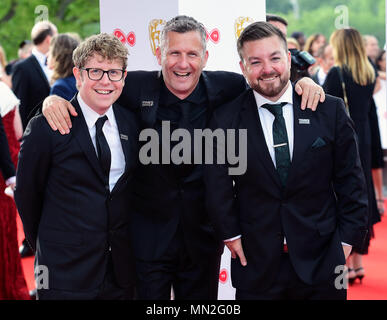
x=189 y=280
x=288 y=286
x=108 y=290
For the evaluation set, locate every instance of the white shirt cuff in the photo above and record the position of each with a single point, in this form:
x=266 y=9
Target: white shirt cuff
x=11 y=180
x=232 y=239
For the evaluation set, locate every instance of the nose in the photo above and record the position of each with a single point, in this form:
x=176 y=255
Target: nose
x=105 y=79
x=267 y=67
x=183 y=61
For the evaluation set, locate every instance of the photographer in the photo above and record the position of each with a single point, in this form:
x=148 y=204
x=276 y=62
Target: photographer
x=301 y=61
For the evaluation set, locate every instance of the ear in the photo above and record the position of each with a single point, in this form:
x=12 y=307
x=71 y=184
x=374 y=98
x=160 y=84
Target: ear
x=242 y=66
x=158 y=55
x=77 y=75
x=205 y=58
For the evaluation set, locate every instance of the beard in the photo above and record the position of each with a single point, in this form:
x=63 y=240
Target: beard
x=273 y=89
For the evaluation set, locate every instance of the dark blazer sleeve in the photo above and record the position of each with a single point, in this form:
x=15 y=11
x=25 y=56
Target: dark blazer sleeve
x=220 y=200
x=332 y=84
x=349 y=182
x=31 y=176
x=6 y=165
x=20 y=88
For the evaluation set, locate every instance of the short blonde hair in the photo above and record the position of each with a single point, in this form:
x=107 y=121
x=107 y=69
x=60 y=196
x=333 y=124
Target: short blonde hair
x=105 y=45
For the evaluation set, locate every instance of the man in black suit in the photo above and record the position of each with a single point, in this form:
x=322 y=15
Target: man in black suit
x=31 y=76
x=175 y=244
x=292 y=217
x=72 y=191
x=6 y=165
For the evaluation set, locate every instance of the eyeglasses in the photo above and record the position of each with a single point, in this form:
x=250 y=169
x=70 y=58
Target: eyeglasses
x=97 y=74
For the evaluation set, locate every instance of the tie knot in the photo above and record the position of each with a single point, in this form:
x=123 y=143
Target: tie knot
x=275 y=109
x=100 y=122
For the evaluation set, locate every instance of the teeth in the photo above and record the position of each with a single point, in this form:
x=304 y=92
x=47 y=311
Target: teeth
x=268 y=79
x=103 y=91
x=181 y=74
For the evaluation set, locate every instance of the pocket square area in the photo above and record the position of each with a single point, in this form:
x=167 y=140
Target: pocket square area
x=318 y=143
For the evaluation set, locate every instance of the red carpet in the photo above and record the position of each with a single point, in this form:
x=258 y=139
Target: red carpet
x=374 y=286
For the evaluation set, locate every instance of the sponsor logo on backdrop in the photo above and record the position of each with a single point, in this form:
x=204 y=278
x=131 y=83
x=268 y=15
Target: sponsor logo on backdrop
x=240 y=24
x=155 y=27
x=214 y=35
x=130 y=38
x=223 y=276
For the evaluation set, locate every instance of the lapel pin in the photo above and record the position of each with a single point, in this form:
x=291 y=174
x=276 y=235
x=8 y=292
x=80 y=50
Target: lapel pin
x=123 y=136
x=147 y=103
x=303 y=121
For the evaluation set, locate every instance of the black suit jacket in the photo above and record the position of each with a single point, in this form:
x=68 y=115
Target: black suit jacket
x=6 y=165
x=323 y=204
x=30 y=85
x=69 y=215
x=161 y=201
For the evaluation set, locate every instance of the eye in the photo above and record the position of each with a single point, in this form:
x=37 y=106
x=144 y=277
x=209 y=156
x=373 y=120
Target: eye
x=95 y=71
x=113 y=72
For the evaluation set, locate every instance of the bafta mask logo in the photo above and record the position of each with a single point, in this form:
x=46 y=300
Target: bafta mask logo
x=155 y=27
x=240 y=24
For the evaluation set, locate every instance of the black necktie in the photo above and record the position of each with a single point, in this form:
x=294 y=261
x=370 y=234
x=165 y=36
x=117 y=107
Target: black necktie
x=280 y=141
x=103 y=149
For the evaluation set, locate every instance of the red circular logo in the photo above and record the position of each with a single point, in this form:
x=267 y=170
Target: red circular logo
x=223 y=276
x=131 y=38
x=214 y=35
x=120 y=35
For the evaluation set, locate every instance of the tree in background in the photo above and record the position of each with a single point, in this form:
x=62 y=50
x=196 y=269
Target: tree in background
x=17 y=18
x=316 y=16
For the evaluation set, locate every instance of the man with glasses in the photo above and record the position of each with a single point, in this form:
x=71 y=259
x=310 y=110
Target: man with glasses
x=72 y=191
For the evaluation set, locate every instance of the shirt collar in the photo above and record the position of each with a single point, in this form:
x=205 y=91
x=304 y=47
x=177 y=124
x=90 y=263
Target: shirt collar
x=41 y=57
x=286 y=97
x=91 y=116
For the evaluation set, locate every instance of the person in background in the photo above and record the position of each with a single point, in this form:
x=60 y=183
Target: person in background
x=31 y=76
x=61 y=62
x=12 y=283
x=379 y=98
x=325 y=61
x=353 y=67
x=312 y=45
x=278 y=22
x=293 y=43
x=4 y=77
x=300 y=37
x=24 y=51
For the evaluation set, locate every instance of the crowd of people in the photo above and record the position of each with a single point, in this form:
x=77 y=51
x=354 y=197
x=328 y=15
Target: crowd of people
x=110 y=227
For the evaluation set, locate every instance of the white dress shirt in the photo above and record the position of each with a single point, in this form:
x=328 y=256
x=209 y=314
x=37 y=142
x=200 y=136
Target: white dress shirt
x=321 y=76
x=112 y=135
x=42 y=59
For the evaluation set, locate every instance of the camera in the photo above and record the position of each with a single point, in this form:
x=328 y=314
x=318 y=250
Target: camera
x=301 y=61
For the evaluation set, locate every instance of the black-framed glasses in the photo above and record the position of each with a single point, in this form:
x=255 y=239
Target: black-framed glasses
x=97 y=74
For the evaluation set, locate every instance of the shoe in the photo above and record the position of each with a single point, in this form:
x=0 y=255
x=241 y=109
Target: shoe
x=351 y=276
x=25 y=251
x=359 y=276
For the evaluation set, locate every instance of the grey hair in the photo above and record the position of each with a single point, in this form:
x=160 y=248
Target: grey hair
x=183 y=24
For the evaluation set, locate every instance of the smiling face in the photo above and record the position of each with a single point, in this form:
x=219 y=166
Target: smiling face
x=99 y=95
x=182 y=61
x=266 y=66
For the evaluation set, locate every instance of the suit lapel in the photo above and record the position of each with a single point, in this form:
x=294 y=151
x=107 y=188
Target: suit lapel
x=212 y=95
x=81 y=133
x=256 y=137
x=301 y=133
x=39 y=69
x=149 y=101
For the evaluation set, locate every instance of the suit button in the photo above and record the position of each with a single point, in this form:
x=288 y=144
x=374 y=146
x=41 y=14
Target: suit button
x=110 y=248
x=107 y=187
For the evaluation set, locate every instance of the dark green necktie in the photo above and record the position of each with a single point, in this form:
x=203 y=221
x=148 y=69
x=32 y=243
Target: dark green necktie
x=280 y=141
